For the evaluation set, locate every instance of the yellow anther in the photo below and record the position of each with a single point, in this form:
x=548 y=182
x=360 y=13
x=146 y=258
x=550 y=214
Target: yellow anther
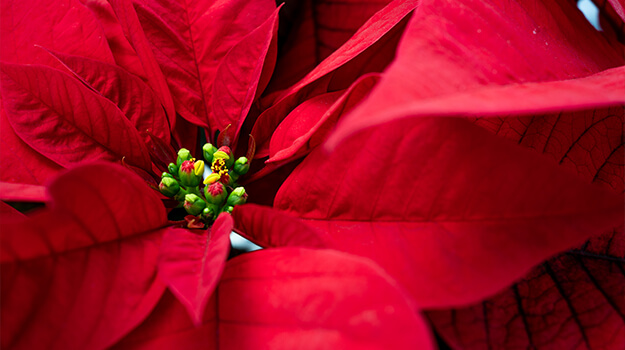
x=199 y=167
x=220 y=155
x=212 y=178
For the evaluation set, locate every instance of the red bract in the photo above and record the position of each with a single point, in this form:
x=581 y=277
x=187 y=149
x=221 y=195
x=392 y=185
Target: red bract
x=83 y=273
x=429 y=208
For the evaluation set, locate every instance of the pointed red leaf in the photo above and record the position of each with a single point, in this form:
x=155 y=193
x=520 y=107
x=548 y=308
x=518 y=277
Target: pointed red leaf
x=65 y=121
x=191 y=40
x=259 y=224
x=191 y=263
x=446 y=205
x=170 y=327
x=447 y=50
x=61 y=26
x=133 y=31
x=603 y=89
x=313 y=30
x=303 y=129
x=292 y=298
x=123 y=52
x=242 y=76
x=373 y=35
x=8 y=213
x=82 y=273
x=21 y=163
x=133 y=97
x=574 y=298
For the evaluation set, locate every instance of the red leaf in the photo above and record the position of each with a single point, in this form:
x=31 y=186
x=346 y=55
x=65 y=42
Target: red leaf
x=600 y=90
x=204 y=33
x=572 y=301
x=134 y=33
x=242 y=76
x=260 y=224
x=82 y=273
x=65 y=26
x=315 y=29
x=372 y=34
x=293 y=298
x=8 y=213
x=575 y=298
x=21 y=163
x=587 y=142
x=448 y=49
x=123 y=52
x=22 y=192
x=290 y=297
x=133 y=97
x=191 y=263
x=169 y=327
x=65 y=121
x=305 y=128
x=446 y=205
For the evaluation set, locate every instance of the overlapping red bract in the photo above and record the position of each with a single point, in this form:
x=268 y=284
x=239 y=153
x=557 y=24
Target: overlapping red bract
x=450 y=212
x=292 y=297
x=191 y=263
x=82 y=273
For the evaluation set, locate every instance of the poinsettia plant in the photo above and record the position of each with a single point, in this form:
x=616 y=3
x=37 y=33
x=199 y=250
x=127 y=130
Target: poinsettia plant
x=405 y=160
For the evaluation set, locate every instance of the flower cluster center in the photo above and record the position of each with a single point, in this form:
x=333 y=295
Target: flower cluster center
x=205 y=196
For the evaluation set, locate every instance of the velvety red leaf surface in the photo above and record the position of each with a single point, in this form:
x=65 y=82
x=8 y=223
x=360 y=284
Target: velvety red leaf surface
x=132 y=29
x=451 y=47
x=573 y=300
x=19 y=192
x=258 y=223
x=82 y=273
x=66 y=122
x=312 y=30
x=64 y=26
x=286 y=298
x=366 y=43
x=21 y=163
x=190 y=41
x=191 y=262
x=291 y=298
x=309 y=124
x=124 y=54
x=445 y=204
x=243 y=74
x=603 y=89
x=131 y=95
x=170 y=327
x=8 y=213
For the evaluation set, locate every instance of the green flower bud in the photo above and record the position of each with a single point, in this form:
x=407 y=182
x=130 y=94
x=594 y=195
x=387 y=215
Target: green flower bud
x=188 y=175
x=241 y=166
x=207 y=151
x=180 y=195
x=193 y=204
x=228 y=209
x=183 y=155
x=210 y=212
x=169 y=186
x=215 y=193
x=172 y=168
x=237 y=197
x=166 y=174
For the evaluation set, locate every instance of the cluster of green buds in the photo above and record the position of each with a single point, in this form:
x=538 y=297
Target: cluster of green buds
x=206 y=193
